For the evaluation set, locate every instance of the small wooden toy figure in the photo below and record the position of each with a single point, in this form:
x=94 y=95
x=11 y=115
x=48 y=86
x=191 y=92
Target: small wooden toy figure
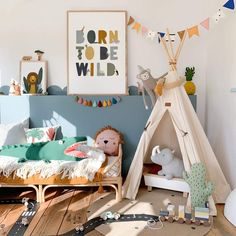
x=39 y=54
x=17 y=89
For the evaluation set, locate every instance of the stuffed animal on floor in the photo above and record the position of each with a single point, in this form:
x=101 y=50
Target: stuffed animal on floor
x=199 y=189
x=171 y=165
x=108 y=140
x=148 y=83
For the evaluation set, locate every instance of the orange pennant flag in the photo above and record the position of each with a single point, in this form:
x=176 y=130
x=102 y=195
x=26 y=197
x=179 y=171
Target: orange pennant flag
x=205 y=24
x=136 y=26
x=181 y=34
x=131 y=20
x=193 y=31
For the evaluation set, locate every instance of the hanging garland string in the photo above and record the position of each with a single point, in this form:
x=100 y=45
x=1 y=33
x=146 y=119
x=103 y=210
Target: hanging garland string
x=98 y=103
x=191 y=31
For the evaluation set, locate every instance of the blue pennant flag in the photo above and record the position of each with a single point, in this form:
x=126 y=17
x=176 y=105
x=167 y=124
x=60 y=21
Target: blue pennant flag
x=229 y=4
x=162 y=34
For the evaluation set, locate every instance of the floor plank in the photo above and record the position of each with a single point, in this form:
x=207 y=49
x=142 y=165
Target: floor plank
x=52 y=218
x=43 y=207
x=76 y=213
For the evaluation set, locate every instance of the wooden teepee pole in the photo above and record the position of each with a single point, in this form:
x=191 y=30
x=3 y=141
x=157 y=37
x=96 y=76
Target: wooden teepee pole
x=167 y=52
x=180 y=46
x=171 y=45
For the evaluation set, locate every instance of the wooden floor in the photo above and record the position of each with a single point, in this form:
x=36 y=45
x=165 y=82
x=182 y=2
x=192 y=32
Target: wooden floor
x=64 y=209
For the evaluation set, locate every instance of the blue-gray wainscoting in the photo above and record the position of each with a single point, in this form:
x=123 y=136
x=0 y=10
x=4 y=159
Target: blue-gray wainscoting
x=128 y=116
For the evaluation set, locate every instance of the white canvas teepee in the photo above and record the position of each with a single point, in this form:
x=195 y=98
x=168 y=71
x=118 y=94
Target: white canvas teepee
x=173 y=123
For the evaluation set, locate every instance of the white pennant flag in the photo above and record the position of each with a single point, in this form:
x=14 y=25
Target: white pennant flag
x=218 y=16
x=151 y=34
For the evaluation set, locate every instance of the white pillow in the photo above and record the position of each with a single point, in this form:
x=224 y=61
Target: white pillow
x=42 y=134
x=13 y=133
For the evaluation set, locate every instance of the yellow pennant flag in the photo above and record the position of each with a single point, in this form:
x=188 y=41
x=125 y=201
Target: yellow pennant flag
x=131 y=20
x=136 y=27
x=181 y=34
x=193 y=31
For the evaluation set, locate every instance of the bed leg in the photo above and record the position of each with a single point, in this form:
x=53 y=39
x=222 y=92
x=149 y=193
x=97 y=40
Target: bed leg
x=119 y=191
x=41 y=197
x=149 y=188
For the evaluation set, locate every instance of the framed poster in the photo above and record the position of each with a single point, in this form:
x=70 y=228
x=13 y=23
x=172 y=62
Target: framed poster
x=33 y=77
x=96 y=52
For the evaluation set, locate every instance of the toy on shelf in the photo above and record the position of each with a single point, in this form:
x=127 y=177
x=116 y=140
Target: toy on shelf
x=15 y=89
x=189 y=86
x=199 y=189
x=26 y=58
x=171 y=165
x=39 y=54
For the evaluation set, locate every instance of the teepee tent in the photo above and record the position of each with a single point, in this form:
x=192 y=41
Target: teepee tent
x=173 y=123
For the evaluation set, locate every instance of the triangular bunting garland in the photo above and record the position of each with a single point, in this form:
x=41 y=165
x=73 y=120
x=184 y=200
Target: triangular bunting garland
x=144 y=30
x=151 y=34
x=229 y=4
x=193 y=31
x=161 y=34
x=136 y=27
x=131 y=20
x=205 y=23
x=218 y=16
x=181 y=34
x=172 y=38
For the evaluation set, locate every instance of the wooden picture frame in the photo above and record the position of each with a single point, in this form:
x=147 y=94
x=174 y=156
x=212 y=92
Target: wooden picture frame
x=97 y=53
x=33 y=77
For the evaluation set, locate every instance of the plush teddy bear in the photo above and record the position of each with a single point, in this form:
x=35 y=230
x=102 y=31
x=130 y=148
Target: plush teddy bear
x=199 y=189
x=171 y=165
x=108 y=140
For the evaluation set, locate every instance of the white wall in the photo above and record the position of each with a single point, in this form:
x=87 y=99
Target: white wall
x=27 y=25
x=220 y=102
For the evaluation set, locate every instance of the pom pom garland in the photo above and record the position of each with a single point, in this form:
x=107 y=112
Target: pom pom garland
x=100 y=103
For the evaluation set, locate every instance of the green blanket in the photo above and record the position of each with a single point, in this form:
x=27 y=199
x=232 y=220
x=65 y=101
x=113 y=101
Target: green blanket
x=52 y=150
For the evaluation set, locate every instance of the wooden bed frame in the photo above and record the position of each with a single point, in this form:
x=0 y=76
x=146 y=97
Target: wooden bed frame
x=40 y=185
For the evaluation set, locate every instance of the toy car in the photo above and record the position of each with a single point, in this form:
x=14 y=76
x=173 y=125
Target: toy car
x=79 y=228
x=109 y=215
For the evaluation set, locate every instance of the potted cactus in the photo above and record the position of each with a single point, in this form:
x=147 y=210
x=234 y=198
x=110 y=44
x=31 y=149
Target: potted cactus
x=189 y=86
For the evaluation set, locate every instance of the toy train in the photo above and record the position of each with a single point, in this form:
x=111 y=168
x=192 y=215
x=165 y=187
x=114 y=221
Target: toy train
x=199 y=216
